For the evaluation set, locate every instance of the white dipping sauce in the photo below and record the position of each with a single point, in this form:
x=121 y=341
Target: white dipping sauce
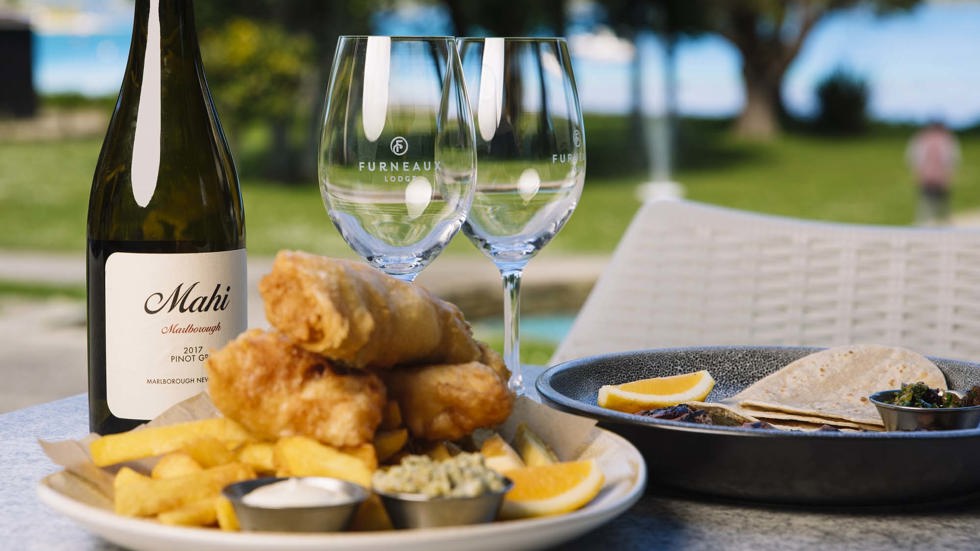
x=294 y=493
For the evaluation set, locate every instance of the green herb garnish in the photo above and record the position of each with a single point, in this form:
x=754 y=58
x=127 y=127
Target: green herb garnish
x=919 y=395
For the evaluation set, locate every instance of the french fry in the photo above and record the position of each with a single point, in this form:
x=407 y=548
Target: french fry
x=175 y=464
x=260 y=456
x=499 y=456
x=532 y=449
x=438 y=452
x=208 y=451
x=389 y=442
x=137 y=495
x=302 y=456
x=198 y=513
x=371 y=516
x=137 y=444
x=365 y=452
x=391 y=416
x=225 y=513
x=126 y=500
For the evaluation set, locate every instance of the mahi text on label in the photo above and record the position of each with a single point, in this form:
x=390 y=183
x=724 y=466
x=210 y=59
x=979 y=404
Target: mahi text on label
x=185 y=301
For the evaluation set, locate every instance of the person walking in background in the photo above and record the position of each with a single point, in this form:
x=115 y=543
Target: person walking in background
x=933 y=153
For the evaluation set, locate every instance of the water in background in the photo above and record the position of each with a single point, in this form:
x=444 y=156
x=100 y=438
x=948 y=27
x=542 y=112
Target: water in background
x=546 y=328
x=90 y=64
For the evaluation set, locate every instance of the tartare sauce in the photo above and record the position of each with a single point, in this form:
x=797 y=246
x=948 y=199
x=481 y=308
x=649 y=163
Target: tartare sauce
x=294 y=492
x=464 y=475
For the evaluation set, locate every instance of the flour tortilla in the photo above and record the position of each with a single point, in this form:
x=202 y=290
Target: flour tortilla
x=810 y=427
x=834 y=384
x=809 y=421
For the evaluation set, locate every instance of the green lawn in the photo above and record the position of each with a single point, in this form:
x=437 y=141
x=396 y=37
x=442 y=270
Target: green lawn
x=44 y=188
x=41 y=290
x=44 y=191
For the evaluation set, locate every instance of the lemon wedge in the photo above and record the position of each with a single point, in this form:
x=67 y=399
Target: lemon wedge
x=657 y=392
x=551 y=489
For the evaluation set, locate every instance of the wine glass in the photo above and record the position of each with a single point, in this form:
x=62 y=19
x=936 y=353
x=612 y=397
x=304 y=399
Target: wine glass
x=531 y=154
x=396 y=158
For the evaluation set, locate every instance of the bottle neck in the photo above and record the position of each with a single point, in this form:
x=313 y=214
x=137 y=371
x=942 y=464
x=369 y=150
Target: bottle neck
x=164 y=68
x=168 y=27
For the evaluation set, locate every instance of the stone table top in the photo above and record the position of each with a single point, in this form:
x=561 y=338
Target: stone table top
x=661 y=519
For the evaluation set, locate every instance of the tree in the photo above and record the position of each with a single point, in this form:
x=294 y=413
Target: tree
x=309 y=28
x=257 y=72
x=843 y=98
x=769 y=34
x=670 y=19
x=507 y=17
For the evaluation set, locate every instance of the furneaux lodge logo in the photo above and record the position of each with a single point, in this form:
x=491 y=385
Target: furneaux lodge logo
x=399 y=145
x=565 y=158
x=398 y=171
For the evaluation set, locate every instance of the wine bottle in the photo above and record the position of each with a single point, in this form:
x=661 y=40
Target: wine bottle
x=166 y=230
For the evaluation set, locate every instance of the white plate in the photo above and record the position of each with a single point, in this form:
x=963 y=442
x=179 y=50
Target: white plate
x=619 y=494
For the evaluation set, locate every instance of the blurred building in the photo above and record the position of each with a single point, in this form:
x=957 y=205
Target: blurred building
x=17 y=96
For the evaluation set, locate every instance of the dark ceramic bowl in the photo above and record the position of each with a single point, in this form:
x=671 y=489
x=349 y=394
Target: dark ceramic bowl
x=813 y=468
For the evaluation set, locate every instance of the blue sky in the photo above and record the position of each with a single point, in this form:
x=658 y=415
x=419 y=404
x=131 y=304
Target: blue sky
x=920 y=64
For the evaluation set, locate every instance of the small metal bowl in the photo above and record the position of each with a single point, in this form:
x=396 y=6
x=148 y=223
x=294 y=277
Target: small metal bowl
x=319 y=518
x=422 y=511
x=907 y=418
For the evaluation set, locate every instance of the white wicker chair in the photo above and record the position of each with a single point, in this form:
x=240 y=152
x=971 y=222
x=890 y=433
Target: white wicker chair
x=691 y=274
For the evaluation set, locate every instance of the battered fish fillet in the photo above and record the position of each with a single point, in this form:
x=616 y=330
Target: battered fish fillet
x=361 y=317
x=449 y=401
x=275 y=388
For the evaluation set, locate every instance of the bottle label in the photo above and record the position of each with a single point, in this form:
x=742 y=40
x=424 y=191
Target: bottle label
x=165 y=313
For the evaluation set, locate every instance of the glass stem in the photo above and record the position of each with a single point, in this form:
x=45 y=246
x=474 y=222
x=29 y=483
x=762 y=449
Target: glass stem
x=512 y=328
x=405 y=277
